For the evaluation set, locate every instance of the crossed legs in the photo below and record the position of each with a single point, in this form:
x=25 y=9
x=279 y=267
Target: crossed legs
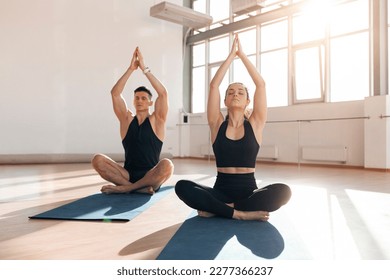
x=111 y=171
x=209 y=201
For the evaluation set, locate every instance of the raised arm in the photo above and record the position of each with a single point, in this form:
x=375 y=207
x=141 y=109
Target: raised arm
x=214 y=115
x=120 y=107
x=259 y=114
x=161 y=103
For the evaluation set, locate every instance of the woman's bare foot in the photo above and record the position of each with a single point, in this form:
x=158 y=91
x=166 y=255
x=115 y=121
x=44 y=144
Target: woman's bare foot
x=251 y=215
x=205 y=214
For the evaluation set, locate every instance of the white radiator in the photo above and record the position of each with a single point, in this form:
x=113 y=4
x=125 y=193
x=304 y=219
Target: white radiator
x=336 y=154
x=268 y=152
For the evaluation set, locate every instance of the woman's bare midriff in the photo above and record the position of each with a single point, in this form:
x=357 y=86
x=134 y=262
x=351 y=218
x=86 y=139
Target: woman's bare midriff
x=235 y=170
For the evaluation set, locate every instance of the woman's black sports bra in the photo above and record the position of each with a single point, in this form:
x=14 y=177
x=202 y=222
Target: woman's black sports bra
x=236 y=153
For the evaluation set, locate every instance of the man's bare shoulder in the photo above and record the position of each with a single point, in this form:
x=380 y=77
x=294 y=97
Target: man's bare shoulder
x=158 y=126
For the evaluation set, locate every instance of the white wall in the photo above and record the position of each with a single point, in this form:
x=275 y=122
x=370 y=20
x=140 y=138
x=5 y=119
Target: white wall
x=59 y=61
x=60 y=58
x=337 y=128
x=290 y=137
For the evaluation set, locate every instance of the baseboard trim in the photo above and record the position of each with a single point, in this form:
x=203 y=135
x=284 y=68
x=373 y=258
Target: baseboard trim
x=85 y=158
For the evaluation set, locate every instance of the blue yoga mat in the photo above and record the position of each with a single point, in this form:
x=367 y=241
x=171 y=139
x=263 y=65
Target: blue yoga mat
x=220 y=238
x=105 y=207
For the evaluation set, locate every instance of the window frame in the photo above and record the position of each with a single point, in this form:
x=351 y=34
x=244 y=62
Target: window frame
x=322 y=70
x=322 y=44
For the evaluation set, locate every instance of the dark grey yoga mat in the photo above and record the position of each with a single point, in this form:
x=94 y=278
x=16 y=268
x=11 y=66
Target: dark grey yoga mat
x=105 y=207
x=219 y=238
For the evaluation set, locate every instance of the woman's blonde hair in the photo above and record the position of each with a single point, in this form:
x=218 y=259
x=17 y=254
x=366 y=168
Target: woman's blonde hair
x=238 y=83
x=247 y=112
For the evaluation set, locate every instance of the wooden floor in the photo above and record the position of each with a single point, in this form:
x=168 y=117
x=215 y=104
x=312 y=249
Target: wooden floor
x=336 y=213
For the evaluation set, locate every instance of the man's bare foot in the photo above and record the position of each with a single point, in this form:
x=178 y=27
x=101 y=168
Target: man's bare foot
x=149 y=190
x=108 y=189
x=205 y=214
x=251 y=215
x=146 y=190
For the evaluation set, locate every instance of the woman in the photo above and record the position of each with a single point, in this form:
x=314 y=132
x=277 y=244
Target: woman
x=236 y=142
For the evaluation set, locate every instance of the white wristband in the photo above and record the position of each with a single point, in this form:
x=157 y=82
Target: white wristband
x=146 y=70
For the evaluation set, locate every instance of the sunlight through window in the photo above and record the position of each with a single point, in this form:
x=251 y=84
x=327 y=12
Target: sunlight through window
x=320 y=52
x=308 y=74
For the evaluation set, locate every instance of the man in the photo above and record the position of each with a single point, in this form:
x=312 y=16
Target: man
x=142 y=137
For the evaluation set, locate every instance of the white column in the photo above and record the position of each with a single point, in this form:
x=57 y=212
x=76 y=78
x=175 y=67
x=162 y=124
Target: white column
x=377 y=132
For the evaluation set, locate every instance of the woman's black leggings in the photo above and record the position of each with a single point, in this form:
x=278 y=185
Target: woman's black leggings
x=239 y=189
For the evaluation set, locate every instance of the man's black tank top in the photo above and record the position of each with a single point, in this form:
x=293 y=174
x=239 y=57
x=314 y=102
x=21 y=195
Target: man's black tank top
x=236 y=153
x=142 y=146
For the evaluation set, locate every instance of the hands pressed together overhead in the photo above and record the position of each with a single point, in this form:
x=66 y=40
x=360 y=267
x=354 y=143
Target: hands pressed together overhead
x=137 y=60
x=236 y=48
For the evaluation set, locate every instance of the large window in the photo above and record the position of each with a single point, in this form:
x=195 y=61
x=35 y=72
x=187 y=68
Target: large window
x=219 y=49
x=198 y=89
x=219 y=10
x=275 y=73
x=349 y=51
x=274 y=61
x=309 y=74
x=240 y=73
x=349 y=67
x=319 y=51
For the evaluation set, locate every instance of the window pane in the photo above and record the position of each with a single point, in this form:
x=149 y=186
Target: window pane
x=198 y=90
x=274 y=71
x=274 y=35
x=219 y=49
x=308 y=80
x=241 y=75
x=307 y=28
x=349 y=17
x=248 y=41
x=224 y=85
x=349 y=67
x=219 y=10
x=198 y=55
x=273 y=5
x=199 y=6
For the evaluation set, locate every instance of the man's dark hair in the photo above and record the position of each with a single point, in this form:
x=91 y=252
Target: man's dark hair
x=144 y=89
